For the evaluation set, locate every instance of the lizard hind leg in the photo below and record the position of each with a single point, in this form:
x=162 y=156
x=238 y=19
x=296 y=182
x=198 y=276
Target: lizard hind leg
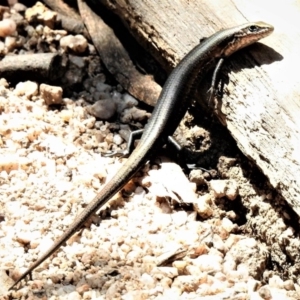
x=124 y=153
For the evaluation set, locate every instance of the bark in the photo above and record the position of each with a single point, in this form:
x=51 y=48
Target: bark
x=37 y=67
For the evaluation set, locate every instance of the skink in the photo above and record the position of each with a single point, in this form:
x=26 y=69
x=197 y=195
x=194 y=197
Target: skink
x=171 y=107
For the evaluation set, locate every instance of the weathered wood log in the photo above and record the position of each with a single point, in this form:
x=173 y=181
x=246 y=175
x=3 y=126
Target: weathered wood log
x=39 y=67
x=116 y=58
x=259 y=104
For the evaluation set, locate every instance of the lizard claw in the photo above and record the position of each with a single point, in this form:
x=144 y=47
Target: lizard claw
x=116 y=153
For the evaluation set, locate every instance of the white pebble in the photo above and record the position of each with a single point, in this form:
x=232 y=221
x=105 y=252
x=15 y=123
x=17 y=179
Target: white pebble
x=77 y=43
x=203 y=206
x=161 y=272
x=173 y=293
x=289 y=285
x=186 y=237
x=193 y=270
x=27 y=89
x=247 y=243
x=229 y=265
x=265 y=293
x=117 y=140
x=228 y=225
x=148 y=281
x=10 y=43
x=221 y=188
x=179 y=218
x=180 y=265
x=111 y=291
x=276 y=282
x=72 y=296
x=7 y=27
x=218 y=242
x=187 y=283
x=18 y=7
x=208 y=263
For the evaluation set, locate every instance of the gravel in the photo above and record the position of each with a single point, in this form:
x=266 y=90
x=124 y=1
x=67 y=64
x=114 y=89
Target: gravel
x=157 y=239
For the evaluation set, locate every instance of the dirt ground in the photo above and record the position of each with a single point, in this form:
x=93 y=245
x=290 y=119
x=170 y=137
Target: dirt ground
x=216 y=232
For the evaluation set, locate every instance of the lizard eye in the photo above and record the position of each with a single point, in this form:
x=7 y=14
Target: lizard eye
x=253 y=28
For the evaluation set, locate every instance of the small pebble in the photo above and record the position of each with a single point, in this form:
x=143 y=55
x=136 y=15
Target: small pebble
x=77 y=44
x=148 y=281
x=289 y=285
x=161 y=272
x=223 y=188
x=203 y=206
x=187 y=283
x=10 y=43
x=180 y=265
x=117 y=139
x=77 y=60
x=51 y=94
x=27 y=89
x=103 y=109
x=264 y=293
x=228 y=225
x=197 y=176
x=276 y=281
x=7 y=27
x=19 y=7
x=103 y=87
x=208 y=263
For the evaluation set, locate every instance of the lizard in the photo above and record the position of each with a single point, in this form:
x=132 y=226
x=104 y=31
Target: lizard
x=171 y=106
